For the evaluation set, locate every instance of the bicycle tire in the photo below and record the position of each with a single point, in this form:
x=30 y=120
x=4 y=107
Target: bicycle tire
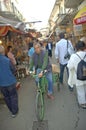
x=58 y=83
x=40 y=106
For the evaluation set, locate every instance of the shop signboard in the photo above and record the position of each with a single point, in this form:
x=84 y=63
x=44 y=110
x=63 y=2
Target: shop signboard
x=78 y=30
x=80 y=18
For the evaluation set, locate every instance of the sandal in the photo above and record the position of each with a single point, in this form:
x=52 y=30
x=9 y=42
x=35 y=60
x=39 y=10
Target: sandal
x=50 y=96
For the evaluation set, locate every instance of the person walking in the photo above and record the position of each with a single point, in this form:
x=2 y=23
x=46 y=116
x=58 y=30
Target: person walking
x=60 y=52
x=8 y=82
x=30 y=52
x=49 y=48
x=40 y=61
x=72 y=66
x=10 y=55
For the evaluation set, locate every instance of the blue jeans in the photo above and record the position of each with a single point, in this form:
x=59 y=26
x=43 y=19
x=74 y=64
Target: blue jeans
x=49 y=79
x=11 y=98
x=62 y=68
x=50 y=82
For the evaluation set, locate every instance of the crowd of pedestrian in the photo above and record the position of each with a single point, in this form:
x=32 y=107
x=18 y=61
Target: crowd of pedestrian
x=69 y=58
x=39 y=59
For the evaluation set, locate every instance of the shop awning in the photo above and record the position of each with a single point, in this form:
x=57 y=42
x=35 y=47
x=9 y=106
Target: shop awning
x=5 y=28
x=80 y=18
x=65 y=19
x=72 y=3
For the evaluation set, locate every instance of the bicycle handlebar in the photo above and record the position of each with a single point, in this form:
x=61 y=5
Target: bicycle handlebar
x=36 y=75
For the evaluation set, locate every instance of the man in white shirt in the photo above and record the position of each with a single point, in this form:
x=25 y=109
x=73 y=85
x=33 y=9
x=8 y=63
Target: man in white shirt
x=60 y=52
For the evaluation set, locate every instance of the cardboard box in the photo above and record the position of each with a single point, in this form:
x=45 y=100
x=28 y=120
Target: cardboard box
x=55 y=68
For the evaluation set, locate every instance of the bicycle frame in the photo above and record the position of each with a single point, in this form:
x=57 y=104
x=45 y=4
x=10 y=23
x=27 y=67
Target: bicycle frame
x=40 y=100
x=41 y=85
x=40 y=97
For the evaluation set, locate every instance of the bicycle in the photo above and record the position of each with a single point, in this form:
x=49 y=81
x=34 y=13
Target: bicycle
x=41 y=89
x=41 y=84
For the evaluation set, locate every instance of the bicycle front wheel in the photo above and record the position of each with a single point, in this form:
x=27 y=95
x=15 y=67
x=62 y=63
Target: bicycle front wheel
x=40 y=106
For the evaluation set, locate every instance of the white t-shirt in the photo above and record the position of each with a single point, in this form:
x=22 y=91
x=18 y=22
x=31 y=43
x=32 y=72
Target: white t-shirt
x=61 y=50
x=49 y=46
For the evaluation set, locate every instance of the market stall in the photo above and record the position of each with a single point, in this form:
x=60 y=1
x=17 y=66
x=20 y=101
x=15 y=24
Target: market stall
x=80 y=23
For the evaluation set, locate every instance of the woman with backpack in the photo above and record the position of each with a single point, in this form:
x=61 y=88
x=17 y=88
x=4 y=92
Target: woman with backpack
x=74 y=78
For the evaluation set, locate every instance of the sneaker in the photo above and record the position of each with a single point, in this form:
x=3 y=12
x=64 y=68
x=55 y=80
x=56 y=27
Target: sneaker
x=50 y=96
x=13 y=115
x=83 y=106
x=70 y=88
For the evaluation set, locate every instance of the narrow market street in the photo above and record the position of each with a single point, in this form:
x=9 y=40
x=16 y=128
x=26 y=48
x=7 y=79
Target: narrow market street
x=49 y=23
x=62 y=113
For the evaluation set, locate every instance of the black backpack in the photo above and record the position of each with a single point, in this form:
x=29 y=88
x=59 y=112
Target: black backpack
x=81 y=69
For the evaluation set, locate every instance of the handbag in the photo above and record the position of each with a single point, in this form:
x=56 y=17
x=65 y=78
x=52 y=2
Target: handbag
x=67 y=55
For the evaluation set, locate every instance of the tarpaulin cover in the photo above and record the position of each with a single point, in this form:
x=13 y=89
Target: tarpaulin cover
x=4 y=30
